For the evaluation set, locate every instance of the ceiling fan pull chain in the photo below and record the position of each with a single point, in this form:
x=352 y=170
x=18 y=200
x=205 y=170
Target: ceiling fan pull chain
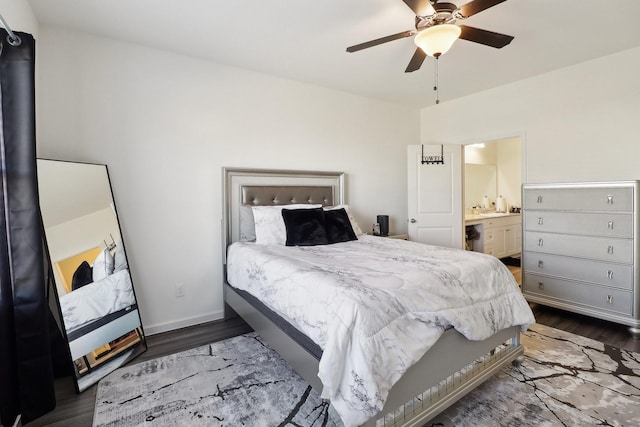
x=435 y=79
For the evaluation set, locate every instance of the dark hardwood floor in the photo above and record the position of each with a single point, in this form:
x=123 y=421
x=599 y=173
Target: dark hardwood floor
x=600 y=330
x=77 y=409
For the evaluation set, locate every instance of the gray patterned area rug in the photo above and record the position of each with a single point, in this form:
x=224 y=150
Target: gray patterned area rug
x=565 y=380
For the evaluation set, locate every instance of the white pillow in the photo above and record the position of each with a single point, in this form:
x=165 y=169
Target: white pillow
x=247 y=225
x=354 y=224
x=103 y=265
x=270 y=228
x=119 y=259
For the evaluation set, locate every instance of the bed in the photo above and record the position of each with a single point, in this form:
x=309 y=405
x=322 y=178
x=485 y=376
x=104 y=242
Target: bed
x=355 y=338
x=101 y=309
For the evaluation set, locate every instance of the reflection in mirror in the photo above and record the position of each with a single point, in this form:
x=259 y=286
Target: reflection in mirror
x=95 y=294
x=479 y=181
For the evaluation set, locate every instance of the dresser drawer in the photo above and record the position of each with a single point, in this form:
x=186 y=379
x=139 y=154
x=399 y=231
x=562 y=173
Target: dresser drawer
x=599 y=248
x=502 y=221
x=602 y=298
x=489 y=235
x=593 y=224
x=612 y=199
x=608 y=274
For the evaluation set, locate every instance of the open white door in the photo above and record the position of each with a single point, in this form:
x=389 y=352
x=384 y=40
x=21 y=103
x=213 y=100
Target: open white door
x=435 y=196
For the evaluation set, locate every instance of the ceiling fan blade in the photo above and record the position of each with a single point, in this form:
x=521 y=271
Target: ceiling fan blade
x=476 y=6
x=485 y=37
x=416 y=61
x=420 y=7
x=381 y=40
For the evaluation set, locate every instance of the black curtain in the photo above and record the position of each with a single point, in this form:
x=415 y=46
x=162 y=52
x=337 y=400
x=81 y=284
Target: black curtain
x=27 y=383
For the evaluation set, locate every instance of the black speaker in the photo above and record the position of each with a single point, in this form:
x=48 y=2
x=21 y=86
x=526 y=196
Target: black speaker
x=383 y=220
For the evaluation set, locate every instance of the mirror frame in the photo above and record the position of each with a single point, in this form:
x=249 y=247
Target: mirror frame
x=88 y=369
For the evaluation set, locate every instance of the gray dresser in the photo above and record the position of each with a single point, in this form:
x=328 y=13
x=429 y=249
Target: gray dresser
x=580 y=249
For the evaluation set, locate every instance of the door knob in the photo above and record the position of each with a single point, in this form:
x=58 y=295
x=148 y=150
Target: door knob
x=413 y=221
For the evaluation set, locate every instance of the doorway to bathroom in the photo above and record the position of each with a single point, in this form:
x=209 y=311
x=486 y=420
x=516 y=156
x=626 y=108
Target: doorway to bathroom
x=493 y=175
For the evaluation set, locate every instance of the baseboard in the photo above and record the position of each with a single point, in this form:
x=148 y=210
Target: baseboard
x=182 y=323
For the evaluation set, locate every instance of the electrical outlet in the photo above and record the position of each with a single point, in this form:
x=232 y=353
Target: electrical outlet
x=179 y=290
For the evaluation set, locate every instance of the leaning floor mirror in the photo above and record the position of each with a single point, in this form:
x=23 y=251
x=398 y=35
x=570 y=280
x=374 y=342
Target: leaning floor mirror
x=97 y=307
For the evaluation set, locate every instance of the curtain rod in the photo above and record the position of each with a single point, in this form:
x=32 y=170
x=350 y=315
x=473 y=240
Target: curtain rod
x=11 y=38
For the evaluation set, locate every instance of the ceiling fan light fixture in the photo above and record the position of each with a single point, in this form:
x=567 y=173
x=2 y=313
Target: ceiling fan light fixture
x=438 y=39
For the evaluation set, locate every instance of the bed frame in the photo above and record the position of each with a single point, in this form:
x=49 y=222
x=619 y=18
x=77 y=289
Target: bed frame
x=449 y=370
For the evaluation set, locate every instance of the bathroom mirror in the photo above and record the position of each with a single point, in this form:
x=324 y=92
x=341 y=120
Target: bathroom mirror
x=479 y=181
x=93 y=287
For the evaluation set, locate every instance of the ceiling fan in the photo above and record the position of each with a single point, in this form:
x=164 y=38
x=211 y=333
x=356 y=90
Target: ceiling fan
x=436 y=29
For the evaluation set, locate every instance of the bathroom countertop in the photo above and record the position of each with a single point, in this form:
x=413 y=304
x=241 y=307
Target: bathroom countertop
x=479 y=217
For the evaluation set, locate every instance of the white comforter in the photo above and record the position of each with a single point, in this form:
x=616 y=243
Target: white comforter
x=96 y=300
x=376 y=305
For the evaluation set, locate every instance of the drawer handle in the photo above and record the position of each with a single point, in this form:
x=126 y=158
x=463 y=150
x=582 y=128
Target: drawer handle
x=610 y=199
x=540 y=242
x=539 y=199
x=610 y=249
x=609 y=274
x=610 y=299
x=540 y=221
x=610 y=225
x=540 y=264
x=540 y=285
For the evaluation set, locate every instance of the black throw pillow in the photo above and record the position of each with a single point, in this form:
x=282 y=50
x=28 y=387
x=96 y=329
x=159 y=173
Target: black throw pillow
x=338 y=226
x=305 y=227
x=82 y=276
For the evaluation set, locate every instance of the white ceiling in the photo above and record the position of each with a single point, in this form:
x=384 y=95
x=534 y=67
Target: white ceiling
x=306 y=41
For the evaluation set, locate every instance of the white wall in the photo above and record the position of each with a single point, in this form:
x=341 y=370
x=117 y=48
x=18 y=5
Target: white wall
x=509 y=161
x=166 y=125
x=19 y=16
x=578 y=123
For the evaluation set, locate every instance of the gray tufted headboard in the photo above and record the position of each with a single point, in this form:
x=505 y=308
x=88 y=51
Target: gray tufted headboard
x=260 y=187
x=261 y=195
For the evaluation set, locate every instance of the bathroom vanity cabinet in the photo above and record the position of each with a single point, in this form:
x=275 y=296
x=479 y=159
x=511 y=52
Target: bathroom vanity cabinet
x=500 y=234
x=581 y=249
